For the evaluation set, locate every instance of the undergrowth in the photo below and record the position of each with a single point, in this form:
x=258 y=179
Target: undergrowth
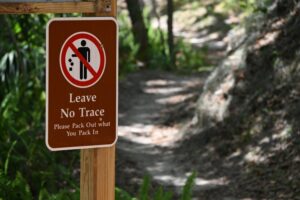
x=145 y=192
x=246 y=7
x=188 y=58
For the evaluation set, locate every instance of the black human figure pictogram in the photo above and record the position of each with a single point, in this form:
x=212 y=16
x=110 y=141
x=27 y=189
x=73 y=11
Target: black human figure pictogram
x=86 y=53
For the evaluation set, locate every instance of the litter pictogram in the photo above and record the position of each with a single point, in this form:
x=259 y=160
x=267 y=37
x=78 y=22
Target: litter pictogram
x=82 y=59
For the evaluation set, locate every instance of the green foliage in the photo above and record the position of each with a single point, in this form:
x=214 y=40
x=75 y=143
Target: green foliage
x=27 y=169
x=158 y=55
x=246 y=6
x=127 y=46
x=187 y=189
x=17 y=188
x=146 y=193
x=160 y=194
x=144 y=190
x=192 y=3
x=123 y=195
x=23 y=151
x=189 y=58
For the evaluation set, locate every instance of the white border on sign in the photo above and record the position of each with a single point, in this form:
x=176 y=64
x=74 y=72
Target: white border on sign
x=47 y=79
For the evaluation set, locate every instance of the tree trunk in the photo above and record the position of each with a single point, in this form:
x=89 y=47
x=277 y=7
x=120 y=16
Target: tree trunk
x=138 y=27
x=170 y=34
x=161 y=34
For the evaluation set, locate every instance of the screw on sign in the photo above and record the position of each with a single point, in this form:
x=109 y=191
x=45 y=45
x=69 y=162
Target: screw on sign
x=82 y=59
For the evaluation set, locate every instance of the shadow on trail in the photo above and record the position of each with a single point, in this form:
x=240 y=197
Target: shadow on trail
x=153 y=107
x=145 y=96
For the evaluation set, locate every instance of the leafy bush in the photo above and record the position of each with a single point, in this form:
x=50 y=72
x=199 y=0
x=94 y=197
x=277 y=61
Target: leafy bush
x=25 y=161
x=158 y=55
x=246 y=6
x=127 y=47
x=189 y=58
x=160 y=193
x=187 y=189
x=27 y=169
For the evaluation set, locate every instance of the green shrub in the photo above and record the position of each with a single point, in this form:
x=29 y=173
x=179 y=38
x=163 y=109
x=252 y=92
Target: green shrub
x=123 y=195
x=190 y=58
x=160 y=193
x=158 y=55
x=127 y=46
x=27 y=169
x=246 y=7
x=187 y=189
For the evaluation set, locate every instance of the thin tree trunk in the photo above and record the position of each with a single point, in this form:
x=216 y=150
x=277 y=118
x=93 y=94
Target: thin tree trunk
x=161 y=34
x=170 y=34
x=138 y=27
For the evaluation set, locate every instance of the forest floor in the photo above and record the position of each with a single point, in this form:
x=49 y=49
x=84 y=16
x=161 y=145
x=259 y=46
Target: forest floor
x=154 y=107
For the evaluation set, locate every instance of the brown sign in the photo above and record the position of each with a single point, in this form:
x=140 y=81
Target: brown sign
x=82 y=61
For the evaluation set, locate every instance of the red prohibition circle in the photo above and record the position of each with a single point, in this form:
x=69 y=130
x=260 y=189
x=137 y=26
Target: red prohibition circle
x=68 y=44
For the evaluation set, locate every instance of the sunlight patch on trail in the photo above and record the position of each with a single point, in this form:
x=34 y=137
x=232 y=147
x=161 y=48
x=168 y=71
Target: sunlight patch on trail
x=149 y=134
x=146 y=130
x=204 y=183
x=174 y=99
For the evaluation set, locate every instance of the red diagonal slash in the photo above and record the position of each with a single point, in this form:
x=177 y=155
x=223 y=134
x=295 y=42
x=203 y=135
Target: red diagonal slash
x=82 y=59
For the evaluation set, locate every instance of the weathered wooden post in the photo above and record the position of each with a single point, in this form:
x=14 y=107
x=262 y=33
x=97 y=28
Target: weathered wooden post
x=97 y=178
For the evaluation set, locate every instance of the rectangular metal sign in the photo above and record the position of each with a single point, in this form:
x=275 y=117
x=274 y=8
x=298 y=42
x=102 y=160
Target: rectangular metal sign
x=82 y=80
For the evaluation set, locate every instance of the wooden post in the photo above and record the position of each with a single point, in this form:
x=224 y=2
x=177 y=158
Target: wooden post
x=97 y=178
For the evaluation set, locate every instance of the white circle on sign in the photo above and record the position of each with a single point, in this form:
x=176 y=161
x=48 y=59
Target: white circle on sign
x=82 y=59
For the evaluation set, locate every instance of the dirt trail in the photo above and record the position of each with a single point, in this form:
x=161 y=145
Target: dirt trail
x=154 y=107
